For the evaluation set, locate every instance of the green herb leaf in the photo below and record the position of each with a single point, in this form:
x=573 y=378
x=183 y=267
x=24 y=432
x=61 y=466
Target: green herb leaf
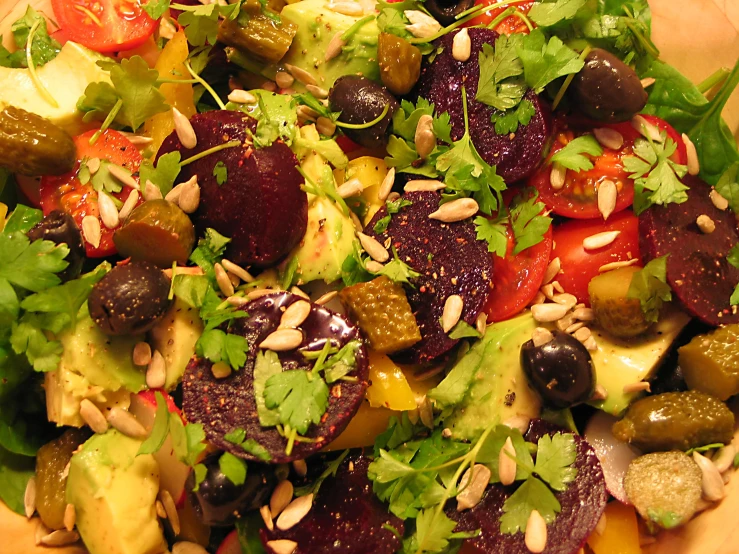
x=44 y=48
x=393 y=207
x=160 y=429
x=15 y=472
x=331 y=468
x=555 y=456
x=156 y=8
x=528 y=224
x=276 y=118
x=463 y=330
x=22 y=220
x=217 y=346
x=201 y=472
x=433 y=532
x=572 y=156
x=728 y=186
x=544 y=61
x=494 y=233
x=453 y=388
x=299 y=399
x=32 y=266
x=164 y=174
x=397 y=270
x=501 y=84
x=237 y=436
x=255 y=449
x=532 y=495
x=342 y=363
x=509 y=121
x=200 y=23
x=649 y=285
x=233 y=468
x=266 y=365
x=552 y=12
x=733 y=259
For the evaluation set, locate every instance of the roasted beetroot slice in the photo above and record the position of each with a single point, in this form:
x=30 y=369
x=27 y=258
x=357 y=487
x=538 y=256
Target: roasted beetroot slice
x=224 y=405
x=346 y=518
x=260 y=205
x=516 y=156
x=697 y=269
x=582 y=505
x=450 y=260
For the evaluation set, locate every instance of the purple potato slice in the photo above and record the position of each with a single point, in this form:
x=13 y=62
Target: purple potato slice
x=582 y=505
x=450 y=260
x=225 y=405
x=260 y=205
x=346 y=517
x=515 y=155
x=697 y=269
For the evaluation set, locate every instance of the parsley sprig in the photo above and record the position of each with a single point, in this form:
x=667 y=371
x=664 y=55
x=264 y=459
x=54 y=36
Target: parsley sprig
x=649 y=285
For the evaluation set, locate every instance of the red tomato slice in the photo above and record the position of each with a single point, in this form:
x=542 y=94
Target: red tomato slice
x=517 y=278
x=104 y=25
x=579 y=266
x=507 y=26
x=66 y=193
x=628 y=131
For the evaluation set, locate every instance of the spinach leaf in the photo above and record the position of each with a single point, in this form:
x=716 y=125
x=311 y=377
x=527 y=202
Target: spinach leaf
x=15 y=471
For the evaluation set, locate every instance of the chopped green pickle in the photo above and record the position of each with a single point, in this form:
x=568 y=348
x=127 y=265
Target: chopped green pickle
x=614 y=311
x=664 y=487
x=383 y=313
x=710 y=362
x=676 y=421
x=400 y=63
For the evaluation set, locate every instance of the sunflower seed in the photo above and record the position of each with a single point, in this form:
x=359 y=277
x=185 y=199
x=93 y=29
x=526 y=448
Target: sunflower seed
x=240 y=96
x=352 y=187
x=426 y=412
x=29 y=498
x=568 y=300
x=600 y=527
x=609 y=138
x=93 y=417
x=374 y=267
x=300 y=467
x=565 y=322
x=60 y=538
x=282 y=495
x=299 y=292
x=137 y=140
x=557 y=176
x=187 y=547
x=108 y=211
x=639 y=386
x=282 y=340
x=318 y=92
x=584 y=314
x=161 y=512
x=422 y=24
x=590 y=344
x=325 y=126
x=724 y=459
x=539 y=298
x=726 y=476
x=456 y=210
x=237 y=270
x=548 y=290
x=258 y=293
x=334 y=47
x=128 y=205
x=184 y=130
x=373 y=247
x=693 y=163
x=461 y=46
x=472 y=484
x=558 y=287
x=506 y=464
x=167 y=29
x=125 y=422
x=156 y=373
x=295 y=512
x=481 y=323
x=452 y=312
x=122 y=175
x=647 y=82
x=553 y=269
x=220 y=370
x=541 y=336
x=546 y=313
x=599 y=393
x=582 y=334
x=424 y=138
x=282 y=546
x=423 y=185
x=40 y=532
x=93 y=164
x=711 y=482
x=705 y=224
x=646 y=129
x=519 y=422
x=301 y=74
x=151 y=191
x=306 y=114
x=387 y=185
x=719 y=201
x=616 y=265
x=91 y=230
x=267 y=517
x=70 y=517
x=326 y=298
x=295 y=314
x=599 y=240
x=353 y=9
x=189 y=198
x=224 y=283
x=607 y=196
x=169 y=506
x=535 y=537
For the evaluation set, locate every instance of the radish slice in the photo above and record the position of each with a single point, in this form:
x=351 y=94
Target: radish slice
x=614 y=455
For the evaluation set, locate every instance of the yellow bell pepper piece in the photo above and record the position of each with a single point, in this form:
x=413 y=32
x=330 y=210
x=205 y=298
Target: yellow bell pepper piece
x=371 y=172
x=3 y=215
x=388 y=386
x=621 y=534
x=171 y=66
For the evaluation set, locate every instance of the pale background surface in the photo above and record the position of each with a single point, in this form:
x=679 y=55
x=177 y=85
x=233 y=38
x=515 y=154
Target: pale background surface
x=696 y=36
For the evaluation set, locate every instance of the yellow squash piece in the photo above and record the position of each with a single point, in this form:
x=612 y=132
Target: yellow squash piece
x=371 y=172
x=621 y=534
x=388 y=386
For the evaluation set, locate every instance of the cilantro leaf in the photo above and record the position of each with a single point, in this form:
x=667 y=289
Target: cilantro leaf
x=299 y=399
x=501 y=84
x=572 y=156
x=200 y=23
x=649 y=285
x=494 y=233
x=342 y=363
x=217 y=346
x=509 y=121
x=220 y=172
x=276 y=118
x=43 y=49
x=233 y=468
x=331 y=469
x=548 y=13
x=544 y=61
x=405 y=120
x=255 y=449
x=156 y=8
x=164 y=174
x=528 y=224
x=188 y=441
x=397 y=270
x=532 y=495
x=728 y=186
x=393 y=207
x=22 y=220
x=555 y=456
x=433 y=532
x=237 y=436
x=453 y=388
x=490 y=452
x=32 y=266
x=656 y=176
x=463 y=330
x=266 y=365
x=209 y=250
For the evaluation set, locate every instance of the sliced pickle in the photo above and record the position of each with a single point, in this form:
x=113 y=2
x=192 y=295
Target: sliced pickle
x=615 y=313
x=710 y=362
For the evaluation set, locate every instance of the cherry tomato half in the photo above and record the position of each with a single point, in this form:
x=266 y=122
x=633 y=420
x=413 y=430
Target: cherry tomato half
x=67 y=193
x=508 y=25
x=517 y=278
x=579 y=266
x=104 y=25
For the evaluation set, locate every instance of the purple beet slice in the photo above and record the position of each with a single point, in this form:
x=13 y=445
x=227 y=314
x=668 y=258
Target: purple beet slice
x=697 y=269
x=346 y=517
x=517 y=155
x=260 y=205
x=224 y=405
x=450 y=260
x=582 y=505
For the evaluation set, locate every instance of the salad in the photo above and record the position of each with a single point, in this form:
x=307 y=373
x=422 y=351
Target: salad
x=342 y=276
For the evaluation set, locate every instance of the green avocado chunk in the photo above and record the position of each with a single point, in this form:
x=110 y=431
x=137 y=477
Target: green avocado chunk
x=114 y=493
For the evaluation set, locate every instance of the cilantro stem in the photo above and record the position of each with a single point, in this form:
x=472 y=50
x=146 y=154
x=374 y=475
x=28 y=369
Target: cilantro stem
x=449 y=28
x=501 y=16
x=568 y=80
x=646 y=42
x=351 y=31
x=464 y=112
x=712 y=80
x=177 y=81
x=205 y=84
x=366 y=125
x=32 y=68
x=209 y=151
x=291 y=434
x=108 y=121
x=523 y=17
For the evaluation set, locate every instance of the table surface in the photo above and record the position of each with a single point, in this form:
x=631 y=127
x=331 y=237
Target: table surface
x=696 y=36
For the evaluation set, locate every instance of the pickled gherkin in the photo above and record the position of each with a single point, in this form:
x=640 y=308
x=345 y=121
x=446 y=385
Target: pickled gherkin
x=614 y=311
x=675 y=421
x=710 y=362
x=664 y=487
x=400 y=63
x=383 y=313
x=32 y=145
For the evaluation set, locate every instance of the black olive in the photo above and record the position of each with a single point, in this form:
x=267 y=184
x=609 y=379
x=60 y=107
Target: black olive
x=561 y=370
x=607 y=89
x=60 y=228
x=446 y=11
x=130 y=299
x=218 y=502
x=361 y=100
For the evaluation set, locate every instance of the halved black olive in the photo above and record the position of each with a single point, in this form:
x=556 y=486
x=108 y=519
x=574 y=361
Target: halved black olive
x=446 y=11
x=60 y=228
